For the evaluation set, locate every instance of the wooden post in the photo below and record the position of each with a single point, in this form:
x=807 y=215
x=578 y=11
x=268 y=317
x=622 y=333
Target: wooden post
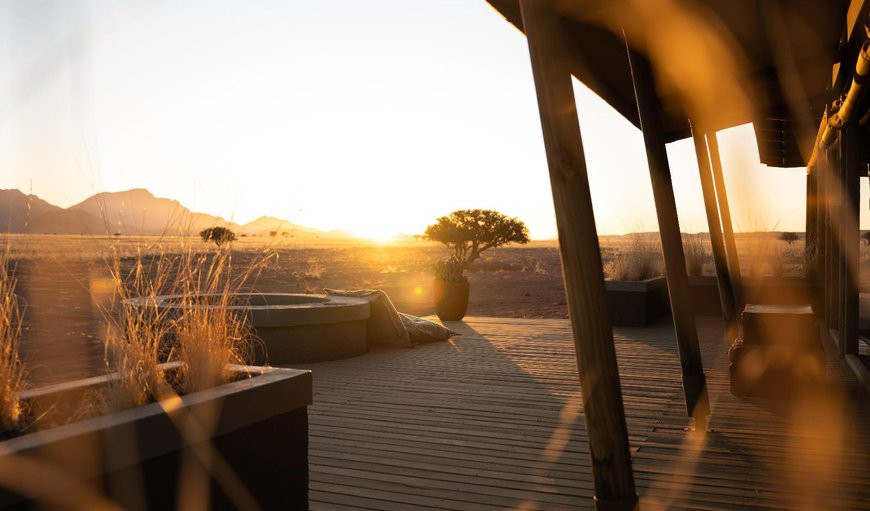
x=833 y=278
x=694 y=380
x=822 y=220
x=842 y=251
x=733 y=261
x=851 y=237
x=581 y=261
x=811 y=237
x=834 y=219
x=726 y=292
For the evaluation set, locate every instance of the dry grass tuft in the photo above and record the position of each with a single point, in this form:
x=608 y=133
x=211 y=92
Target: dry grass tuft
x=209 y=333
x=315 y=270
x=696 y=253
x=204 y=333
x=540 y=269
x=134 y=342
x=11 y=368
x=640 y=259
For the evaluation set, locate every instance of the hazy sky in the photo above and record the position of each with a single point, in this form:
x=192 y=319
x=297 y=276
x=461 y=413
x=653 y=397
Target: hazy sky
x=373 y=116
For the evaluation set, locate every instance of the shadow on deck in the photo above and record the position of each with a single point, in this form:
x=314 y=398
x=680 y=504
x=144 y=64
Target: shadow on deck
x=495 y=421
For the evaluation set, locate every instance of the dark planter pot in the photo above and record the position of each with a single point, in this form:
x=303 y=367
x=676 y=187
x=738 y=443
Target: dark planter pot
x=254 y=431
x=451 y=299
x=636 y=303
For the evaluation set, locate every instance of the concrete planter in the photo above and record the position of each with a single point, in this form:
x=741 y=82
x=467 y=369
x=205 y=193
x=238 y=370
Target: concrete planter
x=293 y=328
x=254 y=431
x=636 y=303
x=765 y=290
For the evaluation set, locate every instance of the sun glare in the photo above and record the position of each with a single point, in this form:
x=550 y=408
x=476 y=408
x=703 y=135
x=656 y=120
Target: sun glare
x=377 y=234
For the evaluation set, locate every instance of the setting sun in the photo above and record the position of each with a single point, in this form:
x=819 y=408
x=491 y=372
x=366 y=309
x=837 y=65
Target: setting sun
x=376 y=233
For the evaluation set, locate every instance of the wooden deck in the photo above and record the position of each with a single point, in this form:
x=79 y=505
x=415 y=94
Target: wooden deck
x=495 y=421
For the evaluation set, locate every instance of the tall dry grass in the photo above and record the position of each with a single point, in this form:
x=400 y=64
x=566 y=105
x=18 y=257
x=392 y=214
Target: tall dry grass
x=11 y=368
x=203 y=332
x=697 y=255
x=136 y=331
x=639 y=259
x=210 y=334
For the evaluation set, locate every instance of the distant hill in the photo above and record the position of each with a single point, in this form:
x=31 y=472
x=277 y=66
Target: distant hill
x=17 y=210
x=136 y=212
x=267 y=225
x=66 y=221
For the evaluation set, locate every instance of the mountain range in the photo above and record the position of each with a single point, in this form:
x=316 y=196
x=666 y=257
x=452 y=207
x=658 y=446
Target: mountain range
x=134 y=212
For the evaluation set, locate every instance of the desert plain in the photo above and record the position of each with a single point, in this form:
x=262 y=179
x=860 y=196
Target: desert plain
x=64 y=280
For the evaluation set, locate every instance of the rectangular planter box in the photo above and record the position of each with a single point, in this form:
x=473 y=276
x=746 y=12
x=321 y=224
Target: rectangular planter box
x=636 y=303
x=766 y=290
x=253 y=433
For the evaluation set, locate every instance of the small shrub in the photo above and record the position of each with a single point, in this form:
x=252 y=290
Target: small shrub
x=315 y=270
x=220 y=236
x=449 y=270
x=540 y=269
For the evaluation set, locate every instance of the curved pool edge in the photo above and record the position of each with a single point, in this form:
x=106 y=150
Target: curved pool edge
x=316 y=329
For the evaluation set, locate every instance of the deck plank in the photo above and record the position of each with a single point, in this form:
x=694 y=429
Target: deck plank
x=494 y=421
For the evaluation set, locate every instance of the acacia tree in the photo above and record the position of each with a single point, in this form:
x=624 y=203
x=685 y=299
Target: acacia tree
x=471 y=231
x=218 y=235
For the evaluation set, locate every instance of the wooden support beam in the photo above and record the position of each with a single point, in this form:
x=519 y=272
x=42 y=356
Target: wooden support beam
x=723 y=278
x=834 y=219
x=581 y=261
x=851 y=237
x=694 y=380
x=831 y=272
x=824 y=238
x=824 y=235
x=811 y=233
x=842 y=250
x=733 y=261
x=833 y=269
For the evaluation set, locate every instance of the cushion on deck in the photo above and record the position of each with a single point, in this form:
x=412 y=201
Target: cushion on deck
x=384 y=326
x=423 y=330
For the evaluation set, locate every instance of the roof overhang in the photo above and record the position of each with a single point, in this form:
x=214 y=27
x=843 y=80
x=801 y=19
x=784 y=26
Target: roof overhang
x=721 y=63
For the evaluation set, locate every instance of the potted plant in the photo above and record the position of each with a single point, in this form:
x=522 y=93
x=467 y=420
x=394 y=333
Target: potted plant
x=468 y=232
x=450 y=290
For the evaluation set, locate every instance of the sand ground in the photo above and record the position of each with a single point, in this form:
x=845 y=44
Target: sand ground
x=62 y=280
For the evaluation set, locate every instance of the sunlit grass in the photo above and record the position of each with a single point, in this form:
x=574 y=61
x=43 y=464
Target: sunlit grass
x=135 y=335
x=202 y=332
x=639 y=259
x=11 y=368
